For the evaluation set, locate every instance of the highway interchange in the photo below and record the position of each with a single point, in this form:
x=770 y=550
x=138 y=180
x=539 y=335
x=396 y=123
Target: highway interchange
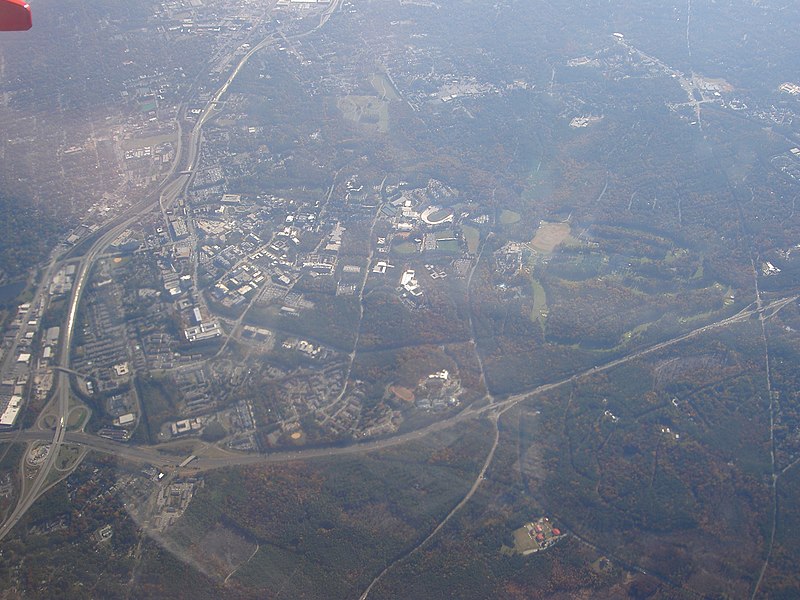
x=172 y=187
x=162 y=456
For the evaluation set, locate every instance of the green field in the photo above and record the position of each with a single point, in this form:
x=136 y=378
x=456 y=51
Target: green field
x=539 y=309
x=509 y=217
x=368 y=111
x=154 y=140
x=405 y=248
x=473 y=237
x=449 y=246
x=77 y=417
x=550 y=235
x=148 y=106
x=68 y=455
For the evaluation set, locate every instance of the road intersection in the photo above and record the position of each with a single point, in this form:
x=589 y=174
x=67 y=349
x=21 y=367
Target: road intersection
x=86 y=252
x=164 y=455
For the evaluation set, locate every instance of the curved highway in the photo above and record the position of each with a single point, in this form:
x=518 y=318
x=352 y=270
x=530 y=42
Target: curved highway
x=173 y=185
x=160 y=456
x=169 y=190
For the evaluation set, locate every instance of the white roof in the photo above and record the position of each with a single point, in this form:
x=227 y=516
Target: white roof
x=127 y=419
x=407 y=277
x=12 y=410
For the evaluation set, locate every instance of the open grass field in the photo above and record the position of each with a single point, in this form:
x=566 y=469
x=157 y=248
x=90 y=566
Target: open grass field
x=509 y=217
x=550 y=235
x=473 y=238
x=155 y=140
x=368 y=111
x=405 y=248
x=77 y=417
x=68 y=456
x=539 y=310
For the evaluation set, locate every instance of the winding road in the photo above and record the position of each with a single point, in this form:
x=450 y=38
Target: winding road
x=172 y=186
x=161 y=456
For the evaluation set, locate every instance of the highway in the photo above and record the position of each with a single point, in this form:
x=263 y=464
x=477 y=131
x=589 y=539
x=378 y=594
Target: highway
x=467 y=497
x=154 y=456
x=172 y=186
x=158 y=456
x=10 y=356
x=61 y=395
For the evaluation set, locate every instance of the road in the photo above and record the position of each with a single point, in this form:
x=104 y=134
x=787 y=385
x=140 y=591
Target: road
x=773 y=472
x=351 y=358
x=10 y=358
x=172 y=186
x=157 y=456
x=471 y=318
x=61 y=395
x=496 y=411
x=467 y=497
x=71 y=372
x=154 y=456
x=170 y=189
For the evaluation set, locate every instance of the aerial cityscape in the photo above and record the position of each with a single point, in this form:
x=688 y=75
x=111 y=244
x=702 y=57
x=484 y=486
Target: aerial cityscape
x=400 y=299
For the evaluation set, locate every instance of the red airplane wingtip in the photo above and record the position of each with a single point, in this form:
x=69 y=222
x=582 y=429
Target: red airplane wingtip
x=15 y=15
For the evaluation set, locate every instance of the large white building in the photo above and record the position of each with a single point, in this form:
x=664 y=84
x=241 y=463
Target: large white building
x=11 y=412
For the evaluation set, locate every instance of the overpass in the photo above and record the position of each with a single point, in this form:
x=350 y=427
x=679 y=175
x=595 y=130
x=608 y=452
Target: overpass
x=87 y=251
x=160 y=456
